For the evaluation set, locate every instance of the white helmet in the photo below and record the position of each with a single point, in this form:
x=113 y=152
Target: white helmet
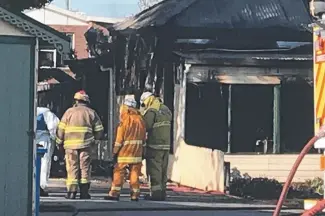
x=144 y=96
x=130 y=101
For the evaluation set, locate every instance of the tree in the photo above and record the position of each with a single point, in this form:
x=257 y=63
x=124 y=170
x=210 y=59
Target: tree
x=20 y=5
x=144 y=4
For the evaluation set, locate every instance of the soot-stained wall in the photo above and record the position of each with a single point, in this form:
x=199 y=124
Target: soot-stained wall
x=206 y=120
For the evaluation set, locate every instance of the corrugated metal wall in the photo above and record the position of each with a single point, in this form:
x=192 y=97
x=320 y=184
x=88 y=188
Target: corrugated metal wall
x=16 y=117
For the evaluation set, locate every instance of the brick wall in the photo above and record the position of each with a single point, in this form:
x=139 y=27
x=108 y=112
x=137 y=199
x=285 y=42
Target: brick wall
x=80 y=44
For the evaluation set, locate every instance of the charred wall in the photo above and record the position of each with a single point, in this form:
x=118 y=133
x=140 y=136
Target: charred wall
x=252 y=116
x=206 y=115
x=59 y=98
x=297 y=112
x=206 y=120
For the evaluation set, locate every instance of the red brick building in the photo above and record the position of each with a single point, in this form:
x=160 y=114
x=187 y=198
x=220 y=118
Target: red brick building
x=73 y=23
x=78 y=41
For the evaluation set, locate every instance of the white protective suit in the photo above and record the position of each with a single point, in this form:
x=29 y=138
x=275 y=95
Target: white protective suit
x=46 y=138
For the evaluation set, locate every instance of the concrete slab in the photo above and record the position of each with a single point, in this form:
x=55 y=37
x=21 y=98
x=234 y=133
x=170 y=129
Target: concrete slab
x=178 y=202
x=173 y=213
x=166 y=213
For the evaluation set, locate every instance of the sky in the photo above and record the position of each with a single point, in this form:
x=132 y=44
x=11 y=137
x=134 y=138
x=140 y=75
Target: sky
x=106 y=8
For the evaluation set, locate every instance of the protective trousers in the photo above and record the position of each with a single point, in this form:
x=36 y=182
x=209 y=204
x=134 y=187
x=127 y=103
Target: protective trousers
x=118 y=179
x=78 y=165
x=157 y=165
x=46 y=162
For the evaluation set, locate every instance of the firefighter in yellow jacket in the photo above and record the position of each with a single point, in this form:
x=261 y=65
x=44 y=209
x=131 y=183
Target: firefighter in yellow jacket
x=128 y=148
x=80 y=126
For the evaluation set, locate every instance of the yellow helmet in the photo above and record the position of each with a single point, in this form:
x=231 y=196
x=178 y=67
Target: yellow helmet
x=82 y=96
x=144 y=96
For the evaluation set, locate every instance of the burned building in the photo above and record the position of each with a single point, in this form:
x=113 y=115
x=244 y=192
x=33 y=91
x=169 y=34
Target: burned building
x=247 y=60
x=235 y=74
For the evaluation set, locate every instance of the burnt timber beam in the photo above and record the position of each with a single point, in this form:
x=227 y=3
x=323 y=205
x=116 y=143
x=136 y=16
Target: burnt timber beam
x=183 y=98
x=249 y=61
x=199 y=73
x=229 y=118
x=111 y=107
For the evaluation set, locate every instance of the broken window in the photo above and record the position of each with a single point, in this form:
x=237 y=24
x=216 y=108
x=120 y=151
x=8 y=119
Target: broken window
x=206 y=117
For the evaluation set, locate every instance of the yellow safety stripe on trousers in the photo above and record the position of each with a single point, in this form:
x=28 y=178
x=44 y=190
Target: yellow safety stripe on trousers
x=161 y=124
x=129 y=159
x=62 y=126
x=114 y=188
x=156 y=188
x=71 y=182
x=84 y=181
x=78 y=141
x=98 y=128
x=71 y=129
x=133 y=142
x=58 y=140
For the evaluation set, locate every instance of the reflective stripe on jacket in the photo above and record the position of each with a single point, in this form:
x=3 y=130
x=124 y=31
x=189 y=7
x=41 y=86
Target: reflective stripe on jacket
x=158 y=125
x=130 y=136
x=80 y=126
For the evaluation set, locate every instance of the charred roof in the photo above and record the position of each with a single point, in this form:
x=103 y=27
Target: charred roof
x=285 y=17
x=224 y=14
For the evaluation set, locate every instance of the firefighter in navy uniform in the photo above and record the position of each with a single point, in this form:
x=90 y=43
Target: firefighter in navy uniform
x=78 y=129
x=158 y=119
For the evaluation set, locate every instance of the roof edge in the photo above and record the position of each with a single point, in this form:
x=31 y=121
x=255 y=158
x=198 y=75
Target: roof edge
x=37 y=29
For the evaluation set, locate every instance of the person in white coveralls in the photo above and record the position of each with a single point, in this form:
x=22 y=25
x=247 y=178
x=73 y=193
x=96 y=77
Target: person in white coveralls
x=47 y=123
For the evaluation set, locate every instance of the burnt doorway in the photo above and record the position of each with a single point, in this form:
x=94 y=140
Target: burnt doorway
x=205 y=116
x=252 y=116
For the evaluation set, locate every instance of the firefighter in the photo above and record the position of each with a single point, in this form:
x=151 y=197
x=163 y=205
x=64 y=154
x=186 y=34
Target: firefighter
x=128 y=150
x=157 y=118
x=80 y=126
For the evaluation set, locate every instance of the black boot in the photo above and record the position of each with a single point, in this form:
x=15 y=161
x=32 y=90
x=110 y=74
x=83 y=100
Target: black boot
x=157 y=196
x=133 y=199
x=84 y=191
x=43 y=193
x=111 y=198
x=71 y=195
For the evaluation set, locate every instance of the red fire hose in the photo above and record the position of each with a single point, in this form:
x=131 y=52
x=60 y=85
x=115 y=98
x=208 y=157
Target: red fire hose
x=314 y=210
x=293 y=171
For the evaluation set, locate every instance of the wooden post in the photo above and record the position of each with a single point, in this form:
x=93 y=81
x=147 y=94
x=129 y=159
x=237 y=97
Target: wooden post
x=229 y=117
x=276 y=120
x=110 y=122
x=168 y=95
x=183 y=97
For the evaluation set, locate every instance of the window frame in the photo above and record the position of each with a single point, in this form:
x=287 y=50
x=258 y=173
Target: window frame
x=71 y=35
x=54 y=57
